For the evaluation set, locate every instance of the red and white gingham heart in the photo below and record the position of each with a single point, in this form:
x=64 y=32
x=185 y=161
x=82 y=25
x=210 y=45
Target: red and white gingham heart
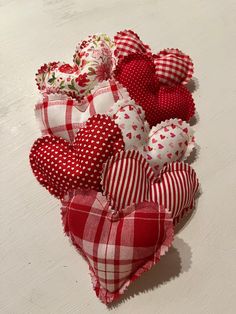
x=63 y=116
x=116 y=245
x=92 y=64
x=173 y=66
x=128 y=179
x=61 y=166
x=169 y=141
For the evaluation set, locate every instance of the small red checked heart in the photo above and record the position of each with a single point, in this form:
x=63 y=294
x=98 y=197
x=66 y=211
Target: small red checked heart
x=61 y=166
x=161 y=102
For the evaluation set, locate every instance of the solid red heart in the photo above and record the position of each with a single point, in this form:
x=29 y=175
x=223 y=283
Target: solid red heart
x=174 y=188
x=61 y=166
x=137 y=73
x=118 y=246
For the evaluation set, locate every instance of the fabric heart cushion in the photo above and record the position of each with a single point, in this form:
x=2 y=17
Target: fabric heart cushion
x=63 y=116
x=171 y=140
x=128 y=179
x=173 y=66
x=118 y=246
x=61 y=166
x=138 y=74
x=92 y=64
x=128 y=42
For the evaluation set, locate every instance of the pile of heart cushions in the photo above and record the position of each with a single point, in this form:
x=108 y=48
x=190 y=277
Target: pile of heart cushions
x=115 y=135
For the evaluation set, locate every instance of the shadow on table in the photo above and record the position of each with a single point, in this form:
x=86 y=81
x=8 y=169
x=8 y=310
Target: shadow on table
x=176 y=261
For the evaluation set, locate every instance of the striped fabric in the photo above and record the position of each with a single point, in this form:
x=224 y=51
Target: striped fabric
x=128 y=179
x=117 y=246
x=173 y=67
x=128 y=42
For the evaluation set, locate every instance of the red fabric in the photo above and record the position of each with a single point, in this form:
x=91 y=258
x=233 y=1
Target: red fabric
x=118 y=246
x=63 y=116
x=60 y=166
x=128 y=42
x=137 y=73
x=173 y=66
x=128 y=179
x=60 y=117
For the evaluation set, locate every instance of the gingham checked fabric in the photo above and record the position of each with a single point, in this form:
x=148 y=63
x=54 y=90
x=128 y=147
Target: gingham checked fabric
x=118 y=246
x=128 y=42
x=62 y=116
x=173 y=67
x=128 y=179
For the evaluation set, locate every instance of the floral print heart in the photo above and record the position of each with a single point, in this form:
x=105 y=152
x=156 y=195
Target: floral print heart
x=138 y=74
x=92 y=64
x=116 y=245
x=61 y=166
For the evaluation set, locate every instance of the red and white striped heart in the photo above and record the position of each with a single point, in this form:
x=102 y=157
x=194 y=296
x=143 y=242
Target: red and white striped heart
x=63 y=116
x=168 y=141
x=128 y=179
x=118 y=246
x=61 y=166
x=92 y=64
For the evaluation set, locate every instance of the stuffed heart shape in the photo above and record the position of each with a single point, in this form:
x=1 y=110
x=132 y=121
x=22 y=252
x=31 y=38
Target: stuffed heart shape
x=171 y=140
x=63 y=116
x=137 y=73
x=92 y=64
x=128 y=42
x=61 y=166
x=173 y=66
x=128 y=179
x=118 y=246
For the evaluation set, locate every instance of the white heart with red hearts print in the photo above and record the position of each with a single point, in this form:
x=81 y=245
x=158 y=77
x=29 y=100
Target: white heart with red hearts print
x=169 y=141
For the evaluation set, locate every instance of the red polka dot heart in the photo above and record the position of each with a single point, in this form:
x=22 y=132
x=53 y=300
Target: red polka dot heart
x=61 y=166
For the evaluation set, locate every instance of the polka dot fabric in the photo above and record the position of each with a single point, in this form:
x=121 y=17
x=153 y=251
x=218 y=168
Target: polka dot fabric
x=160 y=102
x=61 y=166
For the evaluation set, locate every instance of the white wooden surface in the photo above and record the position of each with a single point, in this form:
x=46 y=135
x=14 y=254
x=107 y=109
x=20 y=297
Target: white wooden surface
x=40 y=271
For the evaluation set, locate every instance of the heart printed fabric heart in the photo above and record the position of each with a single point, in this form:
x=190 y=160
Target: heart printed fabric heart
x=128 y=179
x=61 y=166
x=169 y=141
x=116 y=245
x=63 y=116
x=137 y=73
x=92 y=64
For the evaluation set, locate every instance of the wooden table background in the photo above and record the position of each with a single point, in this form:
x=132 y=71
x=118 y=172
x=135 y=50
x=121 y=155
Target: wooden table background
x=40 y=271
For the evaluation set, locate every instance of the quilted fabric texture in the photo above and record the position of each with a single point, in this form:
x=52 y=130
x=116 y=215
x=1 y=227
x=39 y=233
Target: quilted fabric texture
x=114 y=147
